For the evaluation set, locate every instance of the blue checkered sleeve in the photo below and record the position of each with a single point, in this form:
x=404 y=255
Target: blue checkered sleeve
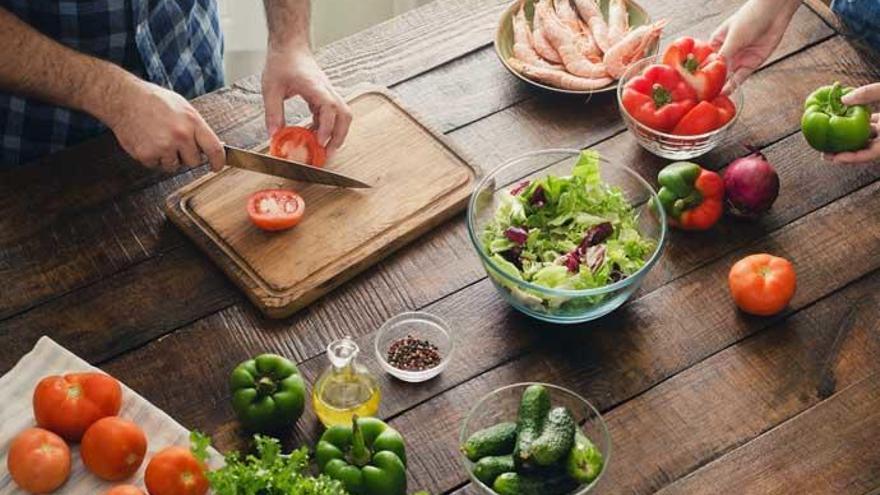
x=174 y=43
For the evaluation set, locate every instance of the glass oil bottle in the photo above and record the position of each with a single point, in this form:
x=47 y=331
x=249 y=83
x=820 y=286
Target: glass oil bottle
x=345 y=388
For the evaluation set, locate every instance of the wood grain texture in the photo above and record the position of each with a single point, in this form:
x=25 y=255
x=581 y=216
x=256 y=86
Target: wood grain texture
x=477 y=84
x=832 y=448
x=417 y=182
x=125 y=237
x=742 y=392
x=617 y=358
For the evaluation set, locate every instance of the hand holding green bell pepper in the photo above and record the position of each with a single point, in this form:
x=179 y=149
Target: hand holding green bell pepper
x=268 y=393
x=369 y=457
x=830 y=126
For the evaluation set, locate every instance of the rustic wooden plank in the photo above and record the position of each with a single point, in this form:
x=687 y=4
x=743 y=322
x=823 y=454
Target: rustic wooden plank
x=743 y=391
x=831 y=448
x=475 y=85
x=621 y=356
x=823 y=10
x=548 y=123
x=87 y=178
x=84 y=263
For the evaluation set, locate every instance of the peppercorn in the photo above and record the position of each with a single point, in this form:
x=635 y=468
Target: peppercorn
x=412 y=354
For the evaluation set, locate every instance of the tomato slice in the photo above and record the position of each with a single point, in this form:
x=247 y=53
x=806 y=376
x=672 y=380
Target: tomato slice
x=298 y=144
x=275 y=209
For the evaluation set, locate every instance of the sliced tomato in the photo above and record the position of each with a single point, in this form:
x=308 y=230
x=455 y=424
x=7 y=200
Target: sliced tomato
x=298 y=144
x=275 y=209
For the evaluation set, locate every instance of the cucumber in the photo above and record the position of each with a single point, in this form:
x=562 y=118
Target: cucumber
x=489 y=468
x=533 y=409
x=556 y=439
x=584 y=462
x=492 y=441
x=520 y=484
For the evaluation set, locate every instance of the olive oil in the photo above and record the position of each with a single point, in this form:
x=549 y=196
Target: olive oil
x=346 y=388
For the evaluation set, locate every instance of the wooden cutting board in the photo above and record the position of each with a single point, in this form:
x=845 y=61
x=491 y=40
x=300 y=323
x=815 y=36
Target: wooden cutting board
x=418 y=181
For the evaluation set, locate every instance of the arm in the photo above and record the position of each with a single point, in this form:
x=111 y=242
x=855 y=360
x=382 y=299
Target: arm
x=291 y=70
x=154 y=125
x=749 y=36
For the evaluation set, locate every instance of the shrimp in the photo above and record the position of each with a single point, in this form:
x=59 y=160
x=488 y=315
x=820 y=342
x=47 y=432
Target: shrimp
x=572 y=48
x=618 y=21
x=558 y=78
x=632 y=47
x=592 y=15
x=523 y=44
x=539 y=37
x=570 y=18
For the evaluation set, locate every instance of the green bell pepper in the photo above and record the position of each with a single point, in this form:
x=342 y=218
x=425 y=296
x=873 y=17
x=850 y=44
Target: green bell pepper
x=268 y=393
x=368 y=457
x=830 y=126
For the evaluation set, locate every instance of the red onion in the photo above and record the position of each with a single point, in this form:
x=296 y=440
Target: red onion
x=751 y=186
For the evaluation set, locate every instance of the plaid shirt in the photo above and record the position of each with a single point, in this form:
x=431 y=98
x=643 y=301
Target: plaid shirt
x=173 y=43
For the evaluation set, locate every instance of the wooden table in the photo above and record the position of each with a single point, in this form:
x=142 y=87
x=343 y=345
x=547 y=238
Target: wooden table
x=699 y=397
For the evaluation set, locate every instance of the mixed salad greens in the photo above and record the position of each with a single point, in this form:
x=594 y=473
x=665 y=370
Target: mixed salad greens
x=572 y=232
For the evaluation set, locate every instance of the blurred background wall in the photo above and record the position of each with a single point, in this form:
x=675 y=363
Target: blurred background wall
x=244 y=26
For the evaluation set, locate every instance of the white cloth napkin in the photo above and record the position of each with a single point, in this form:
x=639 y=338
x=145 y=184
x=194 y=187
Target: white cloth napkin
x=16 y=414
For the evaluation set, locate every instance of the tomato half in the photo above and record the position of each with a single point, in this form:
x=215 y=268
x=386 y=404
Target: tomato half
x=275 y=209
x=298 y=144
x=762 y=284
x=69 y=404
x=39 y=461
x=124 y=490
x=175 y=471
x=113 y=448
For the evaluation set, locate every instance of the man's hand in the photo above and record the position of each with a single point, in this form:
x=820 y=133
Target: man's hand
x=864 y=95
x=748 y=37
x=160 y=129
x=294 y=72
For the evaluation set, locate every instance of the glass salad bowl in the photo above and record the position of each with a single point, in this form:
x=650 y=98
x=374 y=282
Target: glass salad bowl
x=671 y=146
x=566 y=300
x=502 y=405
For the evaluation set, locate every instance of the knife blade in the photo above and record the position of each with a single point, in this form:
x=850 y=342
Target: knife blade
x=279 y=167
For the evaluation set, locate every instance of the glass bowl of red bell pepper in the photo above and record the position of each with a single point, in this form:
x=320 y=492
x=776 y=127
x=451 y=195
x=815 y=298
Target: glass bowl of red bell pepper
x=571 y=254
x=665 y=114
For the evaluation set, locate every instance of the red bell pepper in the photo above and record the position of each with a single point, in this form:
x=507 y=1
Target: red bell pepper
x=691 y=195
x=706 y=117
x=699 y=65
x=658 y=98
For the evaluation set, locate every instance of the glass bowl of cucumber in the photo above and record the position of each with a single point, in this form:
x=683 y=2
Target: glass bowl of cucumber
x=534 y=438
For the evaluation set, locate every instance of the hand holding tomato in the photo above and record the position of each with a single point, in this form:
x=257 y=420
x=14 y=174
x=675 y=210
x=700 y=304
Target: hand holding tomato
x=762 y=284
x=175 y=471
x=297 y=144
x=113 y=448
x=69 y=404
x=38 y=461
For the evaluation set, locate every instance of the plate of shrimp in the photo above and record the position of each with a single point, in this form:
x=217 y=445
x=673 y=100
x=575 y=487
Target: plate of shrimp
x=575 y=46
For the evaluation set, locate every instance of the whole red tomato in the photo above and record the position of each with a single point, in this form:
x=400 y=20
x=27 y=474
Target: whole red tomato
x=38 y=461
x=762 y=284
x=69 y=404
x=124 y=490
x=113 y=448
x=175 y=471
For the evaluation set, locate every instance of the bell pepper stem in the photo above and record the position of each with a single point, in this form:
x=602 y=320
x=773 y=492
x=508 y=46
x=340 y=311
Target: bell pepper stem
x=660 y=95
x=266 y=386
x=360 y=454
x=835 y=106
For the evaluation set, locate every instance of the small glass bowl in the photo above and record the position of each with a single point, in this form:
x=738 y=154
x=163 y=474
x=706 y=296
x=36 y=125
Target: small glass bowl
x=420 y=325
x=666 y=145
x=502 y=405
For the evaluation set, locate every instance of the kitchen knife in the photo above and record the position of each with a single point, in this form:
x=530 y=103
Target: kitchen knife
x=279 y=167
